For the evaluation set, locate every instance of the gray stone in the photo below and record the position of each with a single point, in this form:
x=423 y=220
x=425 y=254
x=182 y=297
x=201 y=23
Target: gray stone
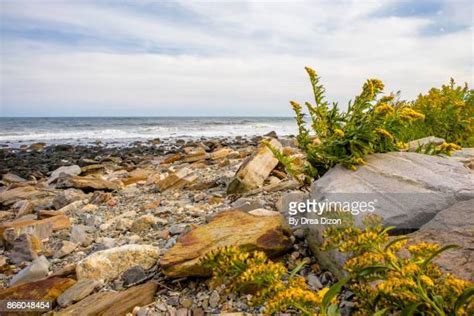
x=37 y=270
x=66 y=197
x=73 y=170
x=66 y=248
x=247 y=205
x=314 y=282
x=415 y=144
x=77 y=292
x=408 y=190
x=79 y=235
x=23 y=249
x=133 y=275
x=214 y=299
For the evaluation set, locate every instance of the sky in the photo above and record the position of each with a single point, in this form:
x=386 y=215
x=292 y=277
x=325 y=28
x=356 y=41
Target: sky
x=221 y=58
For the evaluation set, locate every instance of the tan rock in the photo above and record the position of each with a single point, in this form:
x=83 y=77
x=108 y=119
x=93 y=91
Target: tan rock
x=108 y=264
x=221 y=153
x=269 y=234
x=253 y=171
x=113 y=303
x=197 y=154
x=43 y=290
x=176 y=180
x=12 y=178
x=143 y=223
x=172 y=158
x=136 y=175
x=90 y=183
x=20 y=193
x=42 y=229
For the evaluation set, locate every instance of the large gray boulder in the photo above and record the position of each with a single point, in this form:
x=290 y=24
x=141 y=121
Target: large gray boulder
x=407 y=189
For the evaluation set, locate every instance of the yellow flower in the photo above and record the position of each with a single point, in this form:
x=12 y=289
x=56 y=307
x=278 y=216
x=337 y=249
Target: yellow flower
x=383 y=132
x=383 y=108
x=311 y=72
x=409 y=114
x=426 y=280
x=339 y=132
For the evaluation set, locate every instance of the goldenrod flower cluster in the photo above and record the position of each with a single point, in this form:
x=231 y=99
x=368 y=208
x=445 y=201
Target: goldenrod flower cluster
x=383 y=109
x=448 y=148
x=408 y=114
x=386 y=280
x=268 y=281
x=339 y=132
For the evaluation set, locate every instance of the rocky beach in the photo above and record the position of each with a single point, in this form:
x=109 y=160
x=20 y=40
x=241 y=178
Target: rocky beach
x=116 y=230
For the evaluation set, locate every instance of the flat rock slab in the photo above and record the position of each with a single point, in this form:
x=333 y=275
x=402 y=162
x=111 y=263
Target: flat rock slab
x=43 y=290
x=409 y=189
x=228 y=228
x=77 y=292
x=113 y=303
x=88 y=183
x=107 y=265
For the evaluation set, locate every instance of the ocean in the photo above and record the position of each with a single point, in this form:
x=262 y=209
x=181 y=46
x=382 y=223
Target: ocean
x=124 y=130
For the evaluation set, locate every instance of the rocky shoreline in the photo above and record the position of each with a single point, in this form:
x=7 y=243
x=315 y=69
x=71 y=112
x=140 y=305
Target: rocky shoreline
x=121 y=229
x=141 y=210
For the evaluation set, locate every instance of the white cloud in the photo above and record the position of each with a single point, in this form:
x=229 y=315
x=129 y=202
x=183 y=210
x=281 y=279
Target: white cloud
x=242 y=58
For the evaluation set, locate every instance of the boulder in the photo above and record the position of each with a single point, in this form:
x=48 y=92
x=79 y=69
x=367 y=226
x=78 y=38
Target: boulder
x=254 y=170
x=196 y=155
x=77 y=292
x=228 y=228
x=221 y=153
x=407 y=189
x=73 y=170
x=42 y=229
x=454 y=225
x=108 y=264
x=12 y=178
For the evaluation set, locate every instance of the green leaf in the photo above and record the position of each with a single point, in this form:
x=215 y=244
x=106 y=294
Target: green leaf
x=436 y=253
x=381 y=312
x=370 y=270
x=463 y=298
x=333 y=291
x=395 y=241
x=410 y=310
x=297 y=268
x=333 y=310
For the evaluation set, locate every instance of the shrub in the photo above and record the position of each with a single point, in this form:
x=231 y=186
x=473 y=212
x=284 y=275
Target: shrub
x=377 y=123
x=269 y=282
x=385 y=281
x=449 y=114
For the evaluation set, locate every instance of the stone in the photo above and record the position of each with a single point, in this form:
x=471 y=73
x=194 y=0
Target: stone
x=283 y=203
x=452 y=226
x=246 y=204
x=314 y=282
x=108 y=264
x=135 y=176
x=227 y=228
x=37 y=270
x=44 y=290
x=77 y=292
x=133 y=275
x=113 y=303
x=20 y=193
x=42 y=229
x=176 y=180
x=25 y=248
x=73 y=170
x=37 y=146
x=23 y=207
x=143 y=223
x=66 y=248
x=197 y=154
x=12 y=178
x=415 y=144
x=254 y=170
x=409 y=189
x=214 y=299
x=88 y=183
x=66 y=197
x=79 y=235
x=264 y=212
x=221 y=153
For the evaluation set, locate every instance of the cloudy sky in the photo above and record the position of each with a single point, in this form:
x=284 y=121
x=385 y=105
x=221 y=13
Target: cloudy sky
x=138 y=57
